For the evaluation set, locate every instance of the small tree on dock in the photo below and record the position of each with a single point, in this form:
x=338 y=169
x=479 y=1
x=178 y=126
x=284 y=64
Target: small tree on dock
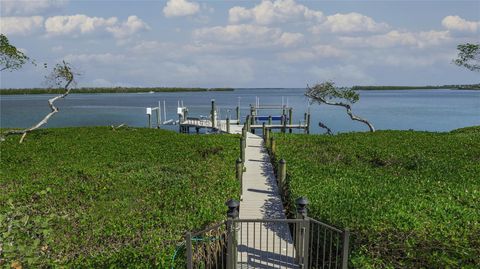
x=62 y=75
x=327 y=93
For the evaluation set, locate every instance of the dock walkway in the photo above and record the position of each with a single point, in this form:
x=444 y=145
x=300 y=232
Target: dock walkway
x=261 y=200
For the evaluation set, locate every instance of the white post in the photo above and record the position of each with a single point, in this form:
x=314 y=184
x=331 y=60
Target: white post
x=164 y=111
x=159 y=112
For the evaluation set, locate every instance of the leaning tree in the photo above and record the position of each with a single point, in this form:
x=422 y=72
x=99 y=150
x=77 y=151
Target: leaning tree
x=62 y=75
x=327 y=93
x=468 y=56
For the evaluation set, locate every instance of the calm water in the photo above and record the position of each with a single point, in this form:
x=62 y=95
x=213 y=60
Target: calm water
x=432 y=110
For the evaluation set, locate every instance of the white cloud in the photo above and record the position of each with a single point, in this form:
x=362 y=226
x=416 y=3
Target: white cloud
x=313 y=53
x=29 y=7
x=20 y=25
x=177 y=8
x=82 y=24
x=290 y=39
x=126 y=29
x=77 y=24
x=456 y=23
x=349 y=23
x=105 y=58
x=269 y=12
x=399 y=38
x=247 y=35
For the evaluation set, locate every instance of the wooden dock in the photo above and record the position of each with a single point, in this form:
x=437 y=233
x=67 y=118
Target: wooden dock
x=221 y=125
x=261 y=200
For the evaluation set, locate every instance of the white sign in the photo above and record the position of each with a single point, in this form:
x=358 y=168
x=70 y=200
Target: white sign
x=180 y=110
x=149 y=111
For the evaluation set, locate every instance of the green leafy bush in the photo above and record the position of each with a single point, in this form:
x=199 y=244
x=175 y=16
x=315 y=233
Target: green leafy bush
x=411 y=199
x=97 y=197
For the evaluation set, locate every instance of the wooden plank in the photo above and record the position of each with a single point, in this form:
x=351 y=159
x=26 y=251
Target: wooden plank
x=261 y=200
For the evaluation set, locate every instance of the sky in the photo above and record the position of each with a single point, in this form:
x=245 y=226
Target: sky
x=270 y=43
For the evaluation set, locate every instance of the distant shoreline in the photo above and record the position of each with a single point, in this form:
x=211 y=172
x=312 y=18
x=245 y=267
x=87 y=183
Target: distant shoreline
x=443 y=87
x=109 y=90
x=21 y=91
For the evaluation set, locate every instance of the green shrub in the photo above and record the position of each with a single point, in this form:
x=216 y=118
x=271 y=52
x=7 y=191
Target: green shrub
x=97 y=197
x=411 y=199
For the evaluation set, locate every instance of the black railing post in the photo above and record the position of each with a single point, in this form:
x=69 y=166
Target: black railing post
x=345 y=242
x=302 y=232
x=232 y=213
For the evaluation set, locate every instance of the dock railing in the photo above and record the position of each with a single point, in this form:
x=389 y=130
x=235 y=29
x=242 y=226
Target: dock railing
x=302 y=242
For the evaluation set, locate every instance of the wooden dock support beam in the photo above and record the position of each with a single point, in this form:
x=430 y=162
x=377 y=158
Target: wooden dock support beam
x=290 y=119
x=282 y=174
x=308 y=123
x=273 y=147
x=238 y=115
x=212 y=113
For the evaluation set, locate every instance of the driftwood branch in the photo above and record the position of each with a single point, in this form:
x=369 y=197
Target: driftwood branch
x=52 y=106
x=118 y=127
x=322 y=125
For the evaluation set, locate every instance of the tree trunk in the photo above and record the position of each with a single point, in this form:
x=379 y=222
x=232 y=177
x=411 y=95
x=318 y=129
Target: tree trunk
x=53 y=108
x=349 y=112
x=322 y=125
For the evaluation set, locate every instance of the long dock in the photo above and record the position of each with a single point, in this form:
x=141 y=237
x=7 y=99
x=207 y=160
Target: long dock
x=220 y=126
x=261 y=200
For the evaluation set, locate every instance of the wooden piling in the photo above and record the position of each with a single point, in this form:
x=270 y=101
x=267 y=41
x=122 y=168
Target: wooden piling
x=264 y=129
x=290 y=118
x=308 y=123
x=213 y=113
x=273 y=147
x=238 y=115
x=282 y=174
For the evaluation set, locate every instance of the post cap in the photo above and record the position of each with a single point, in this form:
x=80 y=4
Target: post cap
x=232 y=205
x=282 y=161
x=239 y=160
x=301 y=203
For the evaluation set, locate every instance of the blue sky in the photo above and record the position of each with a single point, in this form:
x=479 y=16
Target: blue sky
x=276 y=43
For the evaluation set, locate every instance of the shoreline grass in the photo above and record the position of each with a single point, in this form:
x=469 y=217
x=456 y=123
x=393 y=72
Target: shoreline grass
x=411 y=199
x=94 y=197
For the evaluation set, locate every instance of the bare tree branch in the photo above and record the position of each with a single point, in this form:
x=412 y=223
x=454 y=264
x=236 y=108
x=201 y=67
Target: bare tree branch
x=322 y=125
x=61 y=72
